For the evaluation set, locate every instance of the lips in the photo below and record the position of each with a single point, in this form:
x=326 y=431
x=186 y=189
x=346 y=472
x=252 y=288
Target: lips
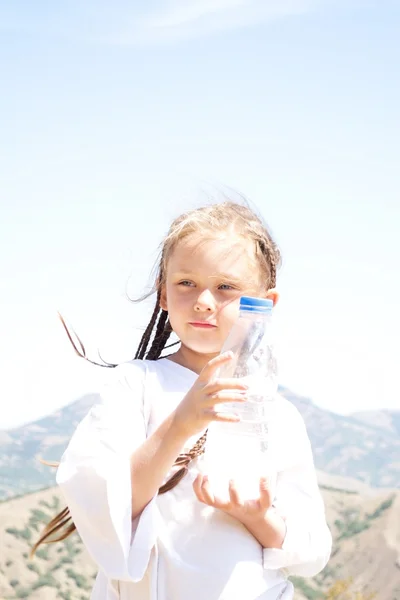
x=202 y=325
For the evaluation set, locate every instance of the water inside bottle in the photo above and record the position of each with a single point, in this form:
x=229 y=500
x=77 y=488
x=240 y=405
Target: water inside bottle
x=240 y=451
x=242 y=458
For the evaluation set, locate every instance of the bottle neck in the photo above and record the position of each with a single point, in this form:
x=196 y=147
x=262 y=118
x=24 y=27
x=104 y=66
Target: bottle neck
x=255 y=315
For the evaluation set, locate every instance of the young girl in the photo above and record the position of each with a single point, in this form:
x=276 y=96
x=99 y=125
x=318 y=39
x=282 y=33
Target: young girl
x=132 y=474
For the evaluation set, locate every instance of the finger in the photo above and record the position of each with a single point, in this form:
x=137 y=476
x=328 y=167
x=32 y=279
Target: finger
x=221 y=417
x=206 y=491
x=232 y=383
x=265 y=493
x=209 y=497
x=234 y=494
x=197 y=488
x=225 y=396
x=211 y=367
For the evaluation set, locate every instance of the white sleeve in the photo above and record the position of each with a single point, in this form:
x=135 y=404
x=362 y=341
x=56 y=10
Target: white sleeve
x=95 y=478
x=308 y=542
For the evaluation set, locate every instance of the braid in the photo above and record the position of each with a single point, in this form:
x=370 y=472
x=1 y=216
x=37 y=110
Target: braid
x=58 y=524
x=144 y=342
x=162 y=333
x=184 y=459
x=271 y=255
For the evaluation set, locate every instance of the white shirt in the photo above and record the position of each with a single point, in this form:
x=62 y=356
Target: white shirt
x=179 y=548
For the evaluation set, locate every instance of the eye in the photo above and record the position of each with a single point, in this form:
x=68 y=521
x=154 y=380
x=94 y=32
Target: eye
x=186 y=283
x=225 y=286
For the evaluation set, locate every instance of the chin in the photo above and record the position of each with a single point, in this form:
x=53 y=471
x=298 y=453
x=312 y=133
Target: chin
x=203 y=348
x=211 y=352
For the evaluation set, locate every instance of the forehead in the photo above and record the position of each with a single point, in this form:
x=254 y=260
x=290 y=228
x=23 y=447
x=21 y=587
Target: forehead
x=228 y=254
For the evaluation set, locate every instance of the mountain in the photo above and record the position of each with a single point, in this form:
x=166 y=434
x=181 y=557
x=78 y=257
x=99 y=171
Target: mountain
x=367 y=449
x=366 y=554
x=22 y=448
x=385 y=419
x=356 y=446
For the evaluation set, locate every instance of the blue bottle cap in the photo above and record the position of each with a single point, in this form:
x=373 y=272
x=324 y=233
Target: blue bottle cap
x=261 y=305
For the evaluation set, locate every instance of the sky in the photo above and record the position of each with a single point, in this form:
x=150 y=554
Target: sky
x=115 y=118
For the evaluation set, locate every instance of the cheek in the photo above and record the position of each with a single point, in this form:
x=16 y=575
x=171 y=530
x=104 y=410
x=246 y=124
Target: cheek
x=230 y=311
x=176 y=299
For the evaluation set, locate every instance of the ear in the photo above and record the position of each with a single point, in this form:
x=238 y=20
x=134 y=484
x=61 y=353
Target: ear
x=273 y=295
x=163 y=298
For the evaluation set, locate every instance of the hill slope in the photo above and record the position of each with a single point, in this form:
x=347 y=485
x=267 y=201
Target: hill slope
x=365 y=526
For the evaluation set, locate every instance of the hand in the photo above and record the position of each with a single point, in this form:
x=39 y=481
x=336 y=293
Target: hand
x=258 y=515
x=200 y=405
x=243 y=510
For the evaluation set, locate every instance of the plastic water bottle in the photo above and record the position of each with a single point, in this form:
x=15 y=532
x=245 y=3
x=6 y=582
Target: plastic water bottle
x=240 y=451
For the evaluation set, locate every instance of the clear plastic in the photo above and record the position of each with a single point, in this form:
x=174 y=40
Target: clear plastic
x=240 y=451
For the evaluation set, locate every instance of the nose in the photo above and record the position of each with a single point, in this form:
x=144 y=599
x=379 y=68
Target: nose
x=204 y=302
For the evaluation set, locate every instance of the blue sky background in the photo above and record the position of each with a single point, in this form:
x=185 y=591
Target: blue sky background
x=114 y=119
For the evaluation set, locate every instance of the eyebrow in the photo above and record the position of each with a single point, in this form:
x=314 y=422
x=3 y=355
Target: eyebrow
x=228 y=276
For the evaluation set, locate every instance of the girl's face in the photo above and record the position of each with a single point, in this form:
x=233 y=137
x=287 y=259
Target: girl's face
x=204 y=282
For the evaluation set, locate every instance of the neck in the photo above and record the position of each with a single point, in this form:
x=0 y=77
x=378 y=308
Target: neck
x=191 y=359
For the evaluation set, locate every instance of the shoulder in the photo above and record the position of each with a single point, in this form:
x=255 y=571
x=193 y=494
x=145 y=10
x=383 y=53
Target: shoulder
x=123 y=386
x=136 y=379
x=130 y=374
x=118 y=414
x=132 y=371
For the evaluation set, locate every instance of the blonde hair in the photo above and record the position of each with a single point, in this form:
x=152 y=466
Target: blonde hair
x=220 y=218
x=211 y=220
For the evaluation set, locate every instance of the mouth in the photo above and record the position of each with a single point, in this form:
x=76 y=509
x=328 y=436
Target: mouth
x=202 y=325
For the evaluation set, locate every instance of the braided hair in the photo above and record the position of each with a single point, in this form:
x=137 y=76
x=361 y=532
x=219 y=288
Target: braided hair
x=207 y=220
